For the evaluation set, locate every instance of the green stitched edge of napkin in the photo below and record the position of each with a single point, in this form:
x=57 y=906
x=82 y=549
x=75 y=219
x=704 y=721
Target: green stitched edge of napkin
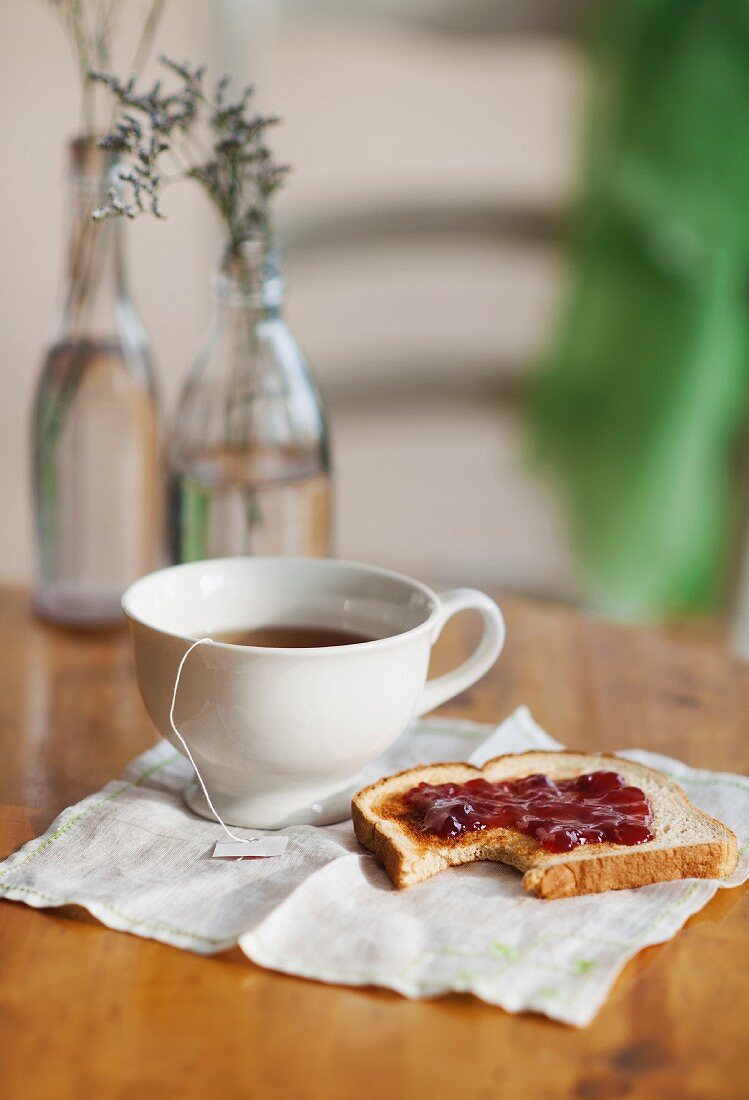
x=135 y=922
x=84 y=813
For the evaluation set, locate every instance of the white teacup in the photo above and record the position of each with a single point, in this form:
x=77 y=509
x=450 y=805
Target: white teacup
x=279 y=735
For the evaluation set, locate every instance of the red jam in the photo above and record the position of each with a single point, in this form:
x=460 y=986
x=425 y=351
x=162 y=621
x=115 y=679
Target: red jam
x=560 y=814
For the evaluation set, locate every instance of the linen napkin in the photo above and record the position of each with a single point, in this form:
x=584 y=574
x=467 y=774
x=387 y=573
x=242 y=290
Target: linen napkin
x=139 y=861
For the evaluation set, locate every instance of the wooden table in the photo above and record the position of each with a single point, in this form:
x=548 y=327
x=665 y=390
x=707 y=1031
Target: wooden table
x=88 y=1012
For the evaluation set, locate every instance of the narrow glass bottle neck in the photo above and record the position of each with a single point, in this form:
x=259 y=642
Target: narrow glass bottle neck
x=94 y=262
x=238 y=307
x=248 y=286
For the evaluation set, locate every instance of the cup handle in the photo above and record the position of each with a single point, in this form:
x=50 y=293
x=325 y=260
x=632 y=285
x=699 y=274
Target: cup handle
x=444 y=687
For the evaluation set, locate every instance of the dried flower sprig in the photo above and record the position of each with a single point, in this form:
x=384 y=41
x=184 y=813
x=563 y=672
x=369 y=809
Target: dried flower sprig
x=213 y=139
x=91 y=26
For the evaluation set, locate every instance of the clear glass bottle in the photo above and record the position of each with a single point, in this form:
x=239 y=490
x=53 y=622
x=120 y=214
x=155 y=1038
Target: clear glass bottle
x=95 y=448
x=247 y=460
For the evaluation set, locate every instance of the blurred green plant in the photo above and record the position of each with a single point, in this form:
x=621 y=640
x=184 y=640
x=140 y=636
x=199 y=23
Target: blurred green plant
x=641 y=402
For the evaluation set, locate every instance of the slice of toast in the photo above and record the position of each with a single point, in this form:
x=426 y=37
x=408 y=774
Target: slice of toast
x=687 y=842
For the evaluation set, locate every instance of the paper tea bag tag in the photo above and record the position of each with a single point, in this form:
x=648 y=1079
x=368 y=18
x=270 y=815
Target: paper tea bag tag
x=261 y=848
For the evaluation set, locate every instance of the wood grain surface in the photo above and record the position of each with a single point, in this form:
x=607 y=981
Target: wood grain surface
x=89 y=1012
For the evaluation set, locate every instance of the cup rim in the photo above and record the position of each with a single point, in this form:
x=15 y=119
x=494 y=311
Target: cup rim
x=305 y=651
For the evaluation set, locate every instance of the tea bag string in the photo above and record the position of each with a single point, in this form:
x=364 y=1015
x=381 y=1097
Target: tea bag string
x=183 y=743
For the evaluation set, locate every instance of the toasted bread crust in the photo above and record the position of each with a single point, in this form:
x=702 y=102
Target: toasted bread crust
x=631 y=869
x=386 y=854
x=384 y=826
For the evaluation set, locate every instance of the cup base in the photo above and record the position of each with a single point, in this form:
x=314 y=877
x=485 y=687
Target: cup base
x=328 y=811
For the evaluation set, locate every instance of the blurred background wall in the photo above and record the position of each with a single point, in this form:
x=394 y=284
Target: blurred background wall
x=434 y=148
